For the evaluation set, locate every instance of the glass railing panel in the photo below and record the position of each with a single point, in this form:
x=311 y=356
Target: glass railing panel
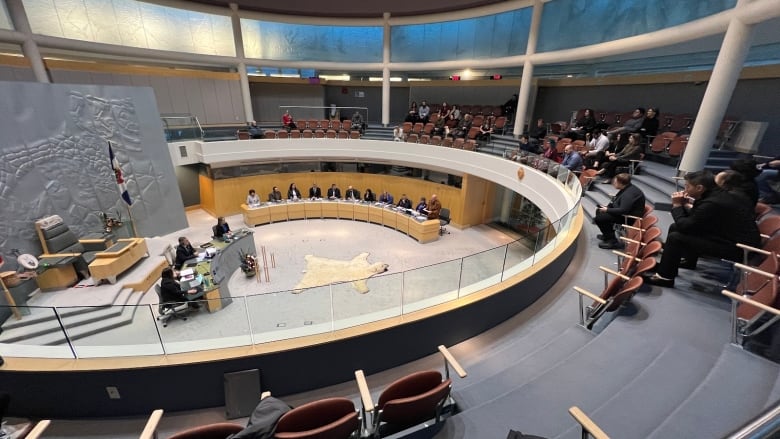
x=290 y=314
x=353 y=306
x=225 y=318
x=428 y=286
x=112 y=331
x=544 y=242
x=482 y=270
x=37 y=333
x=519 y=256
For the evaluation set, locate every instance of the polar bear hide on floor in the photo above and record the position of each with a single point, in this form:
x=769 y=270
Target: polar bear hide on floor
x=324 y=271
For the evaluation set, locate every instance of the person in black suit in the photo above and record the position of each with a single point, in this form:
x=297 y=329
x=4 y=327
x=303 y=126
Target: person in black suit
x=369 y=196
x=222 y=228
x=352 y=194
x=170 y=290
x=293 y=193
x=184 y=251
x=275 y=195
x=628 y=201
x=334 y=193
x=405 y=202
x=712 y=226
x=315 y=191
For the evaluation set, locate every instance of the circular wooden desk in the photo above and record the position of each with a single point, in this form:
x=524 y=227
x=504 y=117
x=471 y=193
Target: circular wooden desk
x=422 y=230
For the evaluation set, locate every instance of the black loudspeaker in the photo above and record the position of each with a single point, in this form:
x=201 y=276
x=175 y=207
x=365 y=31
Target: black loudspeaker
x=242 y=393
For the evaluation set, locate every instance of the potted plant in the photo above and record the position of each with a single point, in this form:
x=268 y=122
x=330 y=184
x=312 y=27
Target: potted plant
x=248 y=264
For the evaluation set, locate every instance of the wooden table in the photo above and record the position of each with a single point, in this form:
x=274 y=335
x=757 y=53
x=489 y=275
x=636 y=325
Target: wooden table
x=422 y=230
x=116 y=259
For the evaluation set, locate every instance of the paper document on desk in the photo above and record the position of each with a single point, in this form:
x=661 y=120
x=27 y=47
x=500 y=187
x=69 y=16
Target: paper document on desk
x=187 y=272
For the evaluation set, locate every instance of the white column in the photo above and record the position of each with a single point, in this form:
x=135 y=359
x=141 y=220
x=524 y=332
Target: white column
x=506 y=205
x=386 y=71
x=238 y=41
x=725 y=74
x=526 y=81
x=29 y=47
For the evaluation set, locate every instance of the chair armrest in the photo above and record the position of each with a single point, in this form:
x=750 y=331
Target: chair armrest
x=590 y=295
x=450 y=359
x=750 y=249
x=150 y=430
x=365 y=394
x=59 y=255
x=751 y=302
x=613 y=272
x=38 y=430
x=587 y=424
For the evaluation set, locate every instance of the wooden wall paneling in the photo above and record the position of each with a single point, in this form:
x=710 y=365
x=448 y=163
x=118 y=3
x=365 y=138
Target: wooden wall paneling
x=209 y=92
x=207 y=196
x=477 y=201
x=224 y=197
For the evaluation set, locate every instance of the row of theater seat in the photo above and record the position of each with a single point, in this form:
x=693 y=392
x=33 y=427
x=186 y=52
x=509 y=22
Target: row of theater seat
x=486 y=110
x=407 y=402
x=309 y=134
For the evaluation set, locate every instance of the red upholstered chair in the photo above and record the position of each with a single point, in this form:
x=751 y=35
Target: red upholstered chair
x=219 y=430
x=330 y=418
x=408 y=401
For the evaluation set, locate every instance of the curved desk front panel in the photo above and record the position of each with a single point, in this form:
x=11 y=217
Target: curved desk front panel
x=422 y=230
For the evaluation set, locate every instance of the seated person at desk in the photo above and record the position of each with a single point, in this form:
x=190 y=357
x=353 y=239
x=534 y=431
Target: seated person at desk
x=170 y=290
x=386 y=198
x=275 y=195
x=293 y=193
x=353 y=194
x=222 y=228
x=334 y=193
x=252 y=200
x=184 y=252
x=369 y=196
x=421 y=206
x=405 y=202
x=315 y=191
x=434 y=208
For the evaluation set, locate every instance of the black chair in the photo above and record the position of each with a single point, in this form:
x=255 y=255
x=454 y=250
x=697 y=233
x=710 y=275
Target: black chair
x=444 y=219
x=170 y=310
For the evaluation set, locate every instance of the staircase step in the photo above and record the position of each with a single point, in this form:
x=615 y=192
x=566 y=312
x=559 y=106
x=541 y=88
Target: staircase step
x=44 y=329
x=733 y=392
x=639 y=406
x=516 y=367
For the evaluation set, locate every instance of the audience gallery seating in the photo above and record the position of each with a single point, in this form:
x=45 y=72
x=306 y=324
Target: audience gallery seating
x=408 y=401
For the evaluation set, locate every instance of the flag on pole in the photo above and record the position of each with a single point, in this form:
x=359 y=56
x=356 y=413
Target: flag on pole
x=120 y=176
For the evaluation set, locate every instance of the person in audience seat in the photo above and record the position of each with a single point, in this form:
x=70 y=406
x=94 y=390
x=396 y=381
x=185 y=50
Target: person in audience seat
x=632 y=125
x=650 y=124
x=537 y=133
x=632 y=151
x=572 y=160
x=438 y=127
x=424 y=112
x=254 y=130
x=287 y=121
x=357 y=122
x=463 y=127
x=584 y=125
x=711 y=225
x=445 y=111
x=629 y=200
x=769 y=181
x=598 y=147
x=551 y=151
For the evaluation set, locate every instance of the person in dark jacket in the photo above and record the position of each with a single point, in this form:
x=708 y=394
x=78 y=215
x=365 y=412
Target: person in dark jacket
x=712 y=226
x=630 y=200
x=170 y=290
